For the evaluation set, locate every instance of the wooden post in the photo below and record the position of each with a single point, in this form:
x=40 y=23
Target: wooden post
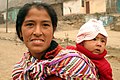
x=7 y=18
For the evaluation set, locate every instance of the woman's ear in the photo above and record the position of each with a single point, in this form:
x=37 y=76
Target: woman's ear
x=54 y=29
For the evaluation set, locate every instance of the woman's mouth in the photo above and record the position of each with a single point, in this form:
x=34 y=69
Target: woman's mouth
x=37 y=41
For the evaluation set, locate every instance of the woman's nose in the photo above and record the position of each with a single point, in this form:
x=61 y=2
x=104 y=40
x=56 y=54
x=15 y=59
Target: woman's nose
x=37 y=31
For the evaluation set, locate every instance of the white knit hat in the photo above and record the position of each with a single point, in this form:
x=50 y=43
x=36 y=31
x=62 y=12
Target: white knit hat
x=90 y=30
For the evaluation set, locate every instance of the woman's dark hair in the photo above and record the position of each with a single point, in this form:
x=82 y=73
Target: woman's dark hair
x=24 y=11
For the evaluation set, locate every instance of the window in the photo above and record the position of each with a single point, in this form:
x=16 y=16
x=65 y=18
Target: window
x=82 y=3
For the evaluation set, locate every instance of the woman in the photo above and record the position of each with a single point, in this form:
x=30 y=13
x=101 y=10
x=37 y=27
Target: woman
x=46 y=59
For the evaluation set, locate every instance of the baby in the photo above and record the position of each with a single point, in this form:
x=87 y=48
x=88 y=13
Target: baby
x=91 y=41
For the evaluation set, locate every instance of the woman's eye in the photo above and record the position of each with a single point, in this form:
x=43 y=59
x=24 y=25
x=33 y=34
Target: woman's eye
x=46 y=26
x=29 y=24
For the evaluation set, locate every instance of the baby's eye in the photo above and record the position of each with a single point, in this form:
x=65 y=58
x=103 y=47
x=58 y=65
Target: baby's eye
x=94 y=39
x=103 y=41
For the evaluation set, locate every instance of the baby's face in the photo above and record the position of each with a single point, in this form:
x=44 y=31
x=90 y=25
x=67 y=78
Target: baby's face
x=96 y=45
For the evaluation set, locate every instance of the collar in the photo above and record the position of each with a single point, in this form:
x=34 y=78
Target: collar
x=50 y=53
x=53 y=50
x=90 y=54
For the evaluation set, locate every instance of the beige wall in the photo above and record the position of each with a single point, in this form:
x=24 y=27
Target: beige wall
x=97 y=6
x=75 y=7
x=72 y=7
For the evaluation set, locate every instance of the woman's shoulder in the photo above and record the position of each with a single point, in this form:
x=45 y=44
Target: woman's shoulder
x=22 y=62
x=72 y=63
x=72 y=53
x=72 y=57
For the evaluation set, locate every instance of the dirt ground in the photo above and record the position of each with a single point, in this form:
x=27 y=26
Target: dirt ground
x=12 y=50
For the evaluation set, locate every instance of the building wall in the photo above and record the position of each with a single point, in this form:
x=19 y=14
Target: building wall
x=12 y=15
x=73 y=7
x=97 y=6
x=2 y=19
x=4 y=14
x=58 y=9
x=118 y=6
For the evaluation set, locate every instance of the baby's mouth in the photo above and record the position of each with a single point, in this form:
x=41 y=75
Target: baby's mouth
x=97 y=50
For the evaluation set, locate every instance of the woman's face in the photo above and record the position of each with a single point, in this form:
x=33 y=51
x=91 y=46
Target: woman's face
x=37 y=31
x=96 y=45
